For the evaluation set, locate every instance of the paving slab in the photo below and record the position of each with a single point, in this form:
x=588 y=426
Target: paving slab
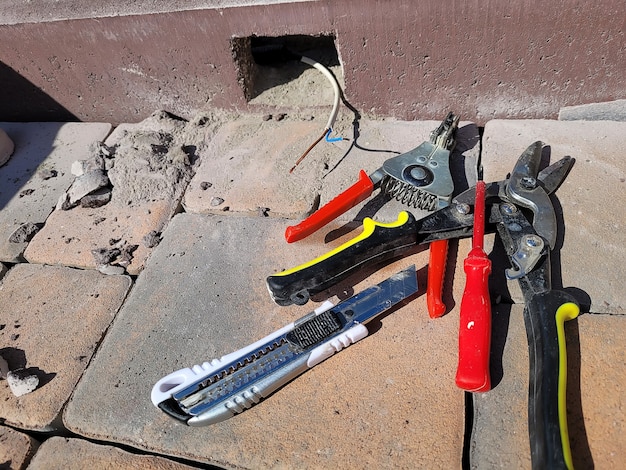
x=250 y=161
x=388 y=401
x=78 y=454
x=151 y=165
x=607 y=111
x=69 y=237
x=247 y=168
x=590 y=245
x=16 y=448
x=53 y=319
x=38 y=173
x=595 y=402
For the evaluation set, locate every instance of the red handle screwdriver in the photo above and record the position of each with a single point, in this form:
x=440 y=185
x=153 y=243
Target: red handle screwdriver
x=475 y=329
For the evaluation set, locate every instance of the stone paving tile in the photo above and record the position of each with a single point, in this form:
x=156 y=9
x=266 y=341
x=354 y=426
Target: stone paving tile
x=38 y=173
x=591 y=219
x=53 y=320
x=595 y=402
x=78 y=454
x=387 y=401
x=607 y=111
x=16 y=449
x=250 y=160
x=247 y=166
x=69 y=236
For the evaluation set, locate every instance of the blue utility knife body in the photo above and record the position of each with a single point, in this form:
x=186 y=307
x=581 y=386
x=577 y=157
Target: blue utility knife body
x=217 y=390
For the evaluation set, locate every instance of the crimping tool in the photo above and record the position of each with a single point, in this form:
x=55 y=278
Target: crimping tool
x=419 y=179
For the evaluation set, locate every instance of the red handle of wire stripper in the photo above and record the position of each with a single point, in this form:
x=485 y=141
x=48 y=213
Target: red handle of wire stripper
x=356 y=193
x=475 y=317
x=436 y=276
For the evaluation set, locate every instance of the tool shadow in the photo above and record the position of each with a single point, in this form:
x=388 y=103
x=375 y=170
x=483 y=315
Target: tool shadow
x=346 y=288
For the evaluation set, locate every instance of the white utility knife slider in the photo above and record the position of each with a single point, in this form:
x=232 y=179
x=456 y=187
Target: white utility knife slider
x=217 y=390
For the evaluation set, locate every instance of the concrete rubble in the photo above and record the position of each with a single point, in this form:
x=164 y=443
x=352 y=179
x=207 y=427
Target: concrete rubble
x=153 y=244
x=37 y=174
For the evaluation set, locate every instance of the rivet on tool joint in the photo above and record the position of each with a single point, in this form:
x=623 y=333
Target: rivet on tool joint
x=463 y=208
x=508 y=209
x=528 y=182
x=533 y=240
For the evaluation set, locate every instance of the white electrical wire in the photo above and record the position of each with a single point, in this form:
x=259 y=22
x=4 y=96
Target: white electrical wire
x=333 y=81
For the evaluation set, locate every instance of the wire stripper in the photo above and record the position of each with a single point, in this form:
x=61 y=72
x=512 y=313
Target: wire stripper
x=419 y=179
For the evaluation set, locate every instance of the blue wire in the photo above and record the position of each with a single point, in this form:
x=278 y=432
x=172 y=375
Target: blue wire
x=334 y=139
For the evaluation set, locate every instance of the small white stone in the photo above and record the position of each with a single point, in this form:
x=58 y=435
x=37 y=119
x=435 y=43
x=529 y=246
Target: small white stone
x=20 y=383
x=63 y=202
x=78 y=168
x=85 y=184
x=111 y=270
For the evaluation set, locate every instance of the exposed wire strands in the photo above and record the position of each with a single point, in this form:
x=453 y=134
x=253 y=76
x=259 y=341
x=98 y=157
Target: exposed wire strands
x=306 y=152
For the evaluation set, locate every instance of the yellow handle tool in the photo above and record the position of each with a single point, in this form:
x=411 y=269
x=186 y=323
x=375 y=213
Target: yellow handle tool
x=377 y=242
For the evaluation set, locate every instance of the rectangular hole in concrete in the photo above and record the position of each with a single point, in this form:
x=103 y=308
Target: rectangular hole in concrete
x=270 y=75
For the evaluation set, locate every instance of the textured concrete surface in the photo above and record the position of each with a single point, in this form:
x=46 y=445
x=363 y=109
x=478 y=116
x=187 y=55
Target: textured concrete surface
x=38 y=173
x=589 y=216
x=16 y=448
x=72 y=9
x=77 y=454
x=374 y=393
x=609 y=111
x=69 y=236
x=388 y=401
x=53 y=319
x=247 y=168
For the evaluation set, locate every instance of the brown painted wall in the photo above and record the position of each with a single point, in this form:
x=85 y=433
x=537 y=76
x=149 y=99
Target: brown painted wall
x=408 y=59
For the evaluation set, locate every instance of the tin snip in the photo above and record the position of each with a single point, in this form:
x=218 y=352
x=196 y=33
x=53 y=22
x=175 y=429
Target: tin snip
x=217 y=390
